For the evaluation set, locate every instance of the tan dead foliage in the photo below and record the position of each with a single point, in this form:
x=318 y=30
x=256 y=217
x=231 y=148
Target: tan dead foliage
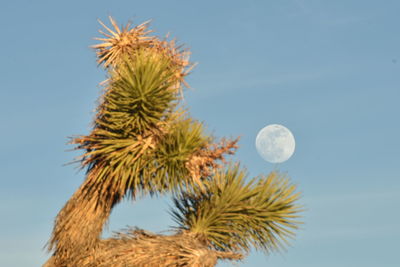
x=119 y=42
x=138 y=248
x=204 y=163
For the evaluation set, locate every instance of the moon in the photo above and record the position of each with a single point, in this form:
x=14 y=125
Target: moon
x=275 y=143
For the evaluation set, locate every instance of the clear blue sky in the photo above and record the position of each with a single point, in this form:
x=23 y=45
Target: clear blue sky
x=327 y=70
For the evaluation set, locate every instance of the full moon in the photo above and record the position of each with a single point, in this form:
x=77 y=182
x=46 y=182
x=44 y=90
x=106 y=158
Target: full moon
x=275 y=143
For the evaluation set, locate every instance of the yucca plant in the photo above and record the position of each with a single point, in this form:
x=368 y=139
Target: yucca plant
x=144 y=142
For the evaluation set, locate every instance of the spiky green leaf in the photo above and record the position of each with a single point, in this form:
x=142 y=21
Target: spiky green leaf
x=234 y=215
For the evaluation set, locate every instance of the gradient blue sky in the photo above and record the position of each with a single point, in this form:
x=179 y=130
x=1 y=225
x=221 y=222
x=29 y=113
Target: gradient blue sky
x=327 y=70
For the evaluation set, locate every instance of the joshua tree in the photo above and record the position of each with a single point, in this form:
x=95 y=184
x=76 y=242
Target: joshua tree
x=144 y=142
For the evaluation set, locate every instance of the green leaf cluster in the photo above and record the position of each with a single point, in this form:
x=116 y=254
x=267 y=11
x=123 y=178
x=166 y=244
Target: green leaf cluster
x=232 y=215
x=141 y=140
x=140 y=94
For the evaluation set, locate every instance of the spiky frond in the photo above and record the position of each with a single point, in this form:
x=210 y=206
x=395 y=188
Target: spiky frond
x=234 y=215
x=120 y=42
x=152 y=164
x=185 y=138
x=140 y=93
